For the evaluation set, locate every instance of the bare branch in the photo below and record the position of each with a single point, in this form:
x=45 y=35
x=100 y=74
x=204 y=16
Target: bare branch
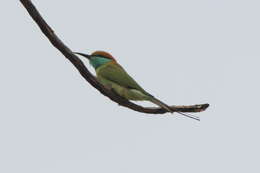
x=56 y=42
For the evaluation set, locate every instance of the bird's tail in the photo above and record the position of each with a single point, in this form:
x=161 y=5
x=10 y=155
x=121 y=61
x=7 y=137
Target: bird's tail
x=169 y=109
x=161 y=104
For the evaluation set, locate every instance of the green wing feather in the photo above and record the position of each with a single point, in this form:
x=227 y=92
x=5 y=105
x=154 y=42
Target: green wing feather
x=115 y=73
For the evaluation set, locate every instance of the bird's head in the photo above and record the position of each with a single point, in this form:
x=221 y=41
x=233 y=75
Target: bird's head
x=98 y=58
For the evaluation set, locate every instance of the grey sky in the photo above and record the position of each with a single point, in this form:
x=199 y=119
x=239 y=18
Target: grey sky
x=183 y=52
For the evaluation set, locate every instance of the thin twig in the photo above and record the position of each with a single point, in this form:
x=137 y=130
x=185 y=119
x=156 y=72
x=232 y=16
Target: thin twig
x=56 y=42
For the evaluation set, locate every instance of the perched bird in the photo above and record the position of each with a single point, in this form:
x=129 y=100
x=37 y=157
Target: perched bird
x=113 y=76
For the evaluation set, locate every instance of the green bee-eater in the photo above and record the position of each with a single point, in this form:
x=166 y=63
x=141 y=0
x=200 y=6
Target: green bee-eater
x=113 y=76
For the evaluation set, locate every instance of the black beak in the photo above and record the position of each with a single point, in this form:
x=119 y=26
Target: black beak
x=82 y=54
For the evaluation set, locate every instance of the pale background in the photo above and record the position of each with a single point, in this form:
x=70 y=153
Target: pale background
x=183 y=52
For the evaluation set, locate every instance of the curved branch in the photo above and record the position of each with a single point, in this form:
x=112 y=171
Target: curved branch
x=56 y=42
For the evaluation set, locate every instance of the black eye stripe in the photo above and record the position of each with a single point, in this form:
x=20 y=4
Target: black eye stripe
x=100 y=56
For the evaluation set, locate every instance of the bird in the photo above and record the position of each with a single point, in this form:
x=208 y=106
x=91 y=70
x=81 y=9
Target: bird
x=114 y=77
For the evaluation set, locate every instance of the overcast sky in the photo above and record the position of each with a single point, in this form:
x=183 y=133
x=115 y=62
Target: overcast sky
x=183 y=52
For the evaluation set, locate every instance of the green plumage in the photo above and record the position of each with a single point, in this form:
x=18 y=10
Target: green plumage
x=113 y=76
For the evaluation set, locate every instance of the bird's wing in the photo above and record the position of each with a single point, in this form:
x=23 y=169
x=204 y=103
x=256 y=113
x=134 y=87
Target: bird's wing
x=115 y=73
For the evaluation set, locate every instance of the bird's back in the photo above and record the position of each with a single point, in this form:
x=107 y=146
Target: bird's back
x=112 y=71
